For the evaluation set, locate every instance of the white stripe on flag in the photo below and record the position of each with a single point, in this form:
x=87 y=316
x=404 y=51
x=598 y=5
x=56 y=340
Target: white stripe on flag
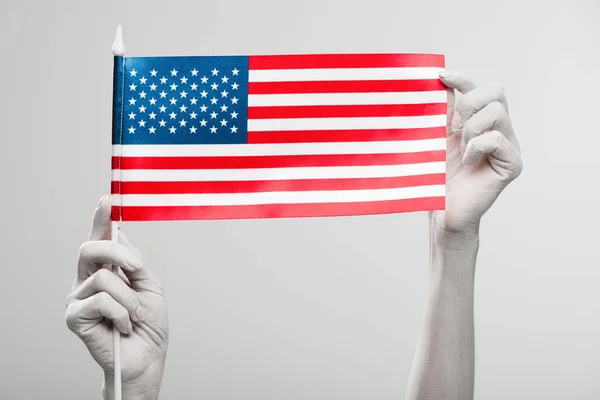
x=326 y=99
x=259 y=174
x=236 y=199
x=275 y=149
x=343 y=74
x=295 y=124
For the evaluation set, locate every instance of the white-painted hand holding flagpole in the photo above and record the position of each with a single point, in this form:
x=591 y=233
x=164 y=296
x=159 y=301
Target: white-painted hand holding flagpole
x=121 y=316
x=133 y=301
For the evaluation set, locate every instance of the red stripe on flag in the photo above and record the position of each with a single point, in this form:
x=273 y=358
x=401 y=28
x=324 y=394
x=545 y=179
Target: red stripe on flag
x=301 y=61
x=417 y=85
x=249 y=162
x=277 y=210
x=365 y=135
x=115 y=186
x=292 y=185
x=379 y=110
x=115 y=213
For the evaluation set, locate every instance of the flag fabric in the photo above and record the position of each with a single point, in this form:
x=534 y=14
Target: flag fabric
x=278 y=136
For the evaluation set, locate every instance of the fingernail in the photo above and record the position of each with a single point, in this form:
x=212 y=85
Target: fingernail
x=101 y=200
x=446 y=74
x=133 y=261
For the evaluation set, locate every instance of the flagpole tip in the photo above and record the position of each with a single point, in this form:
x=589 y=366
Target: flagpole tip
x=118 y=48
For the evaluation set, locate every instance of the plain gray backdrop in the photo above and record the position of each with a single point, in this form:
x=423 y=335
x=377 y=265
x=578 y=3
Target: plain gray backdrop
x=310 y=308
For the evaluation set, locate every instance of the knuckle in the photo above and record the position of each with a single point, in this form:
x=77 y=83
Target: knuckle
x=518 y=167
x=494 y=140
x=102 y=275
x=69 y=300
x=498 y=109
x=102 y=299
x=469 y=132
x=71 y=318
x=498 y=136
x=499 y=113
x=476 y=146
x=84 y=250
x=98 y=279
x=496 y=90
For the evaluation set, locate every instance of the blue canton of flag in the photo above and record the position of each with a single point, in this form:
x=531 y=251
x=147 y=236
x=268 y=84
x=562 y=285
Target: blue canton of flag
x=183 y=100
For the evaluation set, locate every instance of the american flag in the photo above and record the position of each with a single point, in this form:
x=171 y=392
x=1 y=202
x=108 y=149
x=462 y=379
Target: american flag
x=278 y=136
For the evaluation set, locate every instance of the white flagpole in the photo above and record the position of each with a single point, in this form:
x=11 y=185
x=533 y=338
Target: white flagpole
x=118 y=49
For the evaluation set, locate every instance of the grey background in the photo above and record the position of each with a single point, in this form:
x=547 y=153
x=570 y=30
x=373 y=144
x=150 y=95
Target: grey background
x=314 y=308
